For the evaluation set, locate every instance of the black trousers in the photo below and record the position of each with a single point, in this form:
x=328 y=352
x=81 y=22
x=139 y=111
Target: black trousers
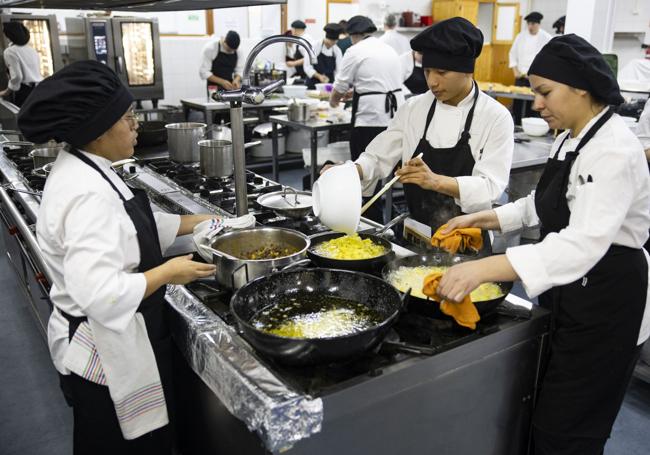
x=522 y=106
x=360 y=137
x=96 y=428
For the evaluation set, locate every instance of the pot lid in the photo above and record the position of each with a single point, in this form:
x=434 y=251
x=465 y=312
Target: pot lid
x=284 y=200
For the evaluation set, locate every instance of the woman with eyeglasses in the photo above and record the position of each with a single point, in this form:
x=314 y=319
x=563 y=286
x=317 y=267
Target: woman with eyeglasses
x=107 y=334
x=590 y=268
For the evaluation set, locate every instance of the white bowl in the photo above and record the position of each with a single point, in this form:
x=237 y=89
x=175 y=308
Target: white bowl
x=337 y=198
x=295 y=91
x=534 y=126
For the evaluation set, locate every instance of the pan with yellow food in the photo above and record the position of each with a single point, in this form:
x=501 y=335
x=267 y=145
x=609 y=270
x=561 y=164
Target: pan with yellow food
x=358 y=252
x=409 y=272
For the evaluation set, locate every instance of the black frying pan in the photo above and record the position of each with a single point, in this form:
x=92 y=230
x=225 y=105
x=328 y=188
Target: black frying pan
x=263 y=293
x=372 y=265
x=428 y=306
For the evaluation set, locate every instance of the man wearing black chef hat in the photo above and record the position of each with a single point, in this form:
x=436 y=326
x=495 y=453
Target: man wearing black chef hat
x=329 y=58
x=372 y=70
x=107 y=333
x=558 y=25
x=295 y=58
x=465 y=136
x=524 y=49
x=221 y=65
x=590 y=268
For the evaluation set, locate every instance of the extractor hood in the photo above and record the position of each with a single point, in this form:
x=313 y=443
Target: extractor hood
x=134 y=5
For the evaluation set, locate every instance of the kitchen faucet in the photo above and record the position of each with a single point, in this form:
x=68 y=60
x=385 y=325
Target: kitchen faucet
x=251 y=95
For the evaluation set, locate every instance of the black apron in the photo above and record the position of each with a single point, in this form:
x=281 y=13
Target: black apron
x=594 y=329
x=417 y=81
x=390 y=105
x=326 y=66
x=300 y=70
x=223 y=66
x=430 y=207
x=19 y=97
x=153 y=308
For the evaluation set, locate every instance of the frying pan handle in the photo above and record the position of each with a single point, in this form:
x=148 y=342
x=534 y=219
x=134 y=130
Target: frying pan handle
x=299 y=263
x=236 y=271
x=392 y=223
x=406 y=298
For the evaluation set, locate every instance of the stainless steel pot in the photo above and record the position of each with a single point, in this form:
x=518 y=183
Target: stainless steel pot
x=44 y=154
x=229 y=249
x=298 y=112
x=182 y=141
x=216 y=158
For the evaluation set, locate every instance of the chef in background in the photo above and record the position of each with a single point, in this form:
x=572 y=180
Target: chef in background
x=344 y=41
x=590 y=269
x=108 y=333
x=22 y=61
x=329 y=58
x=558 y=25
x=221 y=64
x=295 y=58
x=415 y=81
x=465 y=136
x=524 y=49
x=372 y=69
x=394 y=38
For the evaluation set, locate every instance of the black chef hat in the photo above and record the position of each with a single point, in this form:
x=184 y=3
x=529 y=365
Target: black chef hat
x=298 y=24
x=358 y=25
x=534 y=17
x=332 y=31
x=16 y=32
x=558 y=24
x=453 y=44
x=232 y=39
x=571 y=60
x=76 y=105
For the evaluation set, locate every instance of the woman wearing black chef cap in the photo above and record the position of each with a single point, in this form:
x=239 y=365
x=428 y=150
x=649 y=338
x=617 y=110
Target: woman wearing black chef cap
x=589 y=268
x=329 y=58
x=22 y=61
x=107 y=334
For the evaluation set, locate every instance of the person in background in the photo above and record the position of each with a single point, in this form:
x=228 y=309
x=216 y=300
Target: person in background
x=524 y=49
x=344 y=41
x=643 y=129
x=373 y=70
x=295 y=59
x=464 y=135
x=220 y=62
x=590 y=269
x=22 y=61
x=108 y=333
x=558 y=25
x=415 y=80
x=329 y=58
x=394 y=38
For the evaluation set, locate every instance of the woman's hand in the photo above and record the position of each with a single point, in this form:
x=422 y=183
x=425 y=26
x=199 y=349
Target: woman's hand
x=183 y=269
x=460 y=280
x=417 y=172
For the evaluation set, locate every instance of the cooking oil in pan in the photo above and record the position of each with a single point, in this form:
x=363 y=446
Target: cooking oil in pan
x=307 y=315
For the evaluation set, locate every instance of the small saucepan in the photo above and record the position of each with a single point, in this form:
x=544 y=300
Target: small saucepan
x=288 y=202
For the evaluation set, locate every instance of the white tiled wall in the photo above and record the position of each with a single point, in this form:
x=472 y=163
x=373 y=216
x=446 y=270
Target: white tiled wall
x=181 y=58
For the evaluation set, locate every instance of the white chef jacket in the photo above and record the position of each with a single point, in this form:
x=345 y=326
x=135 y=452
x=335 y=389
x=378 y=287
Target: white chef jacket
x=371 y=66
x=526 y=47
x=24 y=66
x=637 y=70
x=643 y=127
x=209 y=53
x=332 y=51
x=90 y=244
x=290 y=50
x=491 y=141
x=612 y=209
x=396 y=40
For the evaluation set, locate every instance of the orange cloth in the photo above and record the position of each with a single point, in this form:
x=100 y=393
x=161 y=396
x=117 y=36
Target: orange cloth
x=465 y=313
x=458 y=240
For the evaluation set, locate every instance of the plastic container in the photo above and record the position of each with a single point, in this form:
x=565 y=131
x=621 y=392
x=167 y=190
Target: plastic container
x=295 y=91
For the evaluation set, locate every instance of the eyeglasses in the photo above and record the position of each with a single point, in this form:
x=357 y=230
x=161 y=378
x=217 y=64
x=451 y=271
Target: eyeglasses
x=131 y=117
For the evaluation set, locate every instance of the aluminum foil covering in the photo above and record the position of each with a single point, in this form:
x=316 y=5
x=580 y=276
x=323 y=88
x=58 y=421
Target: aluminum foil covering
x=225 y=362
